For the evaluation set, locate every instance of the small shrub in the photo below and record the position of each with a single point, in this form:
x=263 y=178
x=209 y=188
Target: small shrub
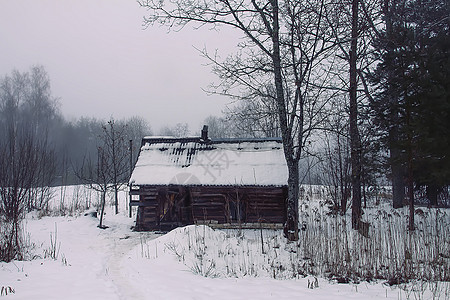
x=5 y=290
x=53 y=250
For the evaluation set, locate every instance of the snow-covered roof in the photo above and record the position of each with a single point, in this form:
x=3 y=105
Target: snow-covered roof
x=192 y=161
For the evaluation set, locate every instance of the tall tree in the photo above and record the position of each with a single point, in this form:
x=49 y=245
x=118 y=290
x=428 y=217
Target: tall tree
x=355 y=142
x=353 y=24
x=285 y=43
x=431 y=85
x=413 y=105
x=398 y=185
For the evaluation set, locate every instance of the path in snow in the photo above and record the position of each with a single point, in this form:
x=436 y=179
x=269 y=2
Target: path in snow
x=89 y=265
x=119 y=247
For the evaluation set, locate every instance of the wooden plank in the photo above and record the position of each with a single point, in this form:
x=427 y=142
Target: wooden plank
x=274 y=226
x=134 y=192
x=141 y=204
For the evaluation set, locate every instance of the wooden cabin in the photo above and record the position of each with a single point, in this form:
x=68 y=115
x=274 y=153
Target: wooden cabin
x=222 y=182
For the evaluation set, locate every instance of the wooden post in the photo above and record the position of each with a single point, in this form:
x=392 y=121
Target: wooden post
x=131 y=157
x=131 y=171
x=129 y=201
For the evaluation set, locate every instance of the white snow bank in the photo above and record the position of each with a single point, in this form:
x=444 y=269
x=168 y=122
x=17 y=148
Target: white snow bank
x=197 y=262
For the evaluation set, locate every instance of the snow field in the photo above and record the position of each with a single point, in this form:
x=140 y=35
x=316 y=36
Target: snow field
x=73 y=259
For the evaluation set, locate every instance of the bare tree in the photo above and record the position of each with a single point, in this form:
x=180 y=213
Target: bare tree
x=40 y=107
x=44 y=176
x=83 y=138
x=247 y=118
x=135 y=129
x=355 y=141
x=18 y=164
x=109 y=172
x=335 y=158
x=97 y=176
x=353 y=25
x=219 y=127
x=27 y=104
x=286 y=44
x=254 y=118
x=27 y=159
x=178 y=130
x=115 y=154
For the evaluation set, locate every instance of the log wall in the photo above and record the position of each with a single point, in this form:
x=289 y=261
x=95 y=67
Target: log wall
x=167 y=207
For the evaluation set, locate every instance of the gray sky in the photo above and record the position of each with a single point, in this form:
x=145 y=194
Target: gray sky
x=102 y=63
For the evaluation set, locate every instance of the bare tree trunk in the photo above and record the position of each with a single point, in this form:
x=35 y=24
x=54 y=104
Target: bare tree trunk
x=291 y=228
x=354 y=135
x=432 y=194
x=114 y=164
x=116 y=198
x=103 y=201
x=410 y=163
x=411 y=226
x=398 y=183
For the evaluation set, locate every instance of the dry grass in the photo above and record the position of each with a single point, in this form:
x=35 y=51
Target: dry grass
x=327 y=247
x=330 y=247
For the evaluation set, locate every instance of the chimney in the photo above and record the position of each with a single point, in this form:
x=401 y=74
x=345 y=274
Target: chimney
x=204 y=135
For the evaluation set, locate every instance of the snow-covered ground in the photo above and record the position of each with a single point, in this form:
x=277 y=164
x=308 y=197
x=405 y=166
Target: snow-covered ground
x=73 y=259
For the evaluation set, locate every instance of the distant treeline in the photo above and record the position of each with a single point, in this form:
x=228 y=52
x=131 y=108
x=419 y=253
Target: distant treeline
x=29 y=111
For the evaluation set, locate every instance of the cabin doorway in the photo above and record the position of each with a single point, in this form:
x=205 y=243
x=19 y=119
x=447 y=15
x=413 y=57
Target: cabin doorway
x=171 y=209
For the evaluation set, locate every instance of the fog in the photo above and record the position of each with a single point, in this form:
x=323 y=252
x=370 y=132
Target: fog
x=102 y=62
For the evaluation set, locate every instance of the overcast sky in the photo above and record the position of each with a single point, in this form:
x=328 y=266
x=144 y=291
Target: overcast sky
x=102 y=63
